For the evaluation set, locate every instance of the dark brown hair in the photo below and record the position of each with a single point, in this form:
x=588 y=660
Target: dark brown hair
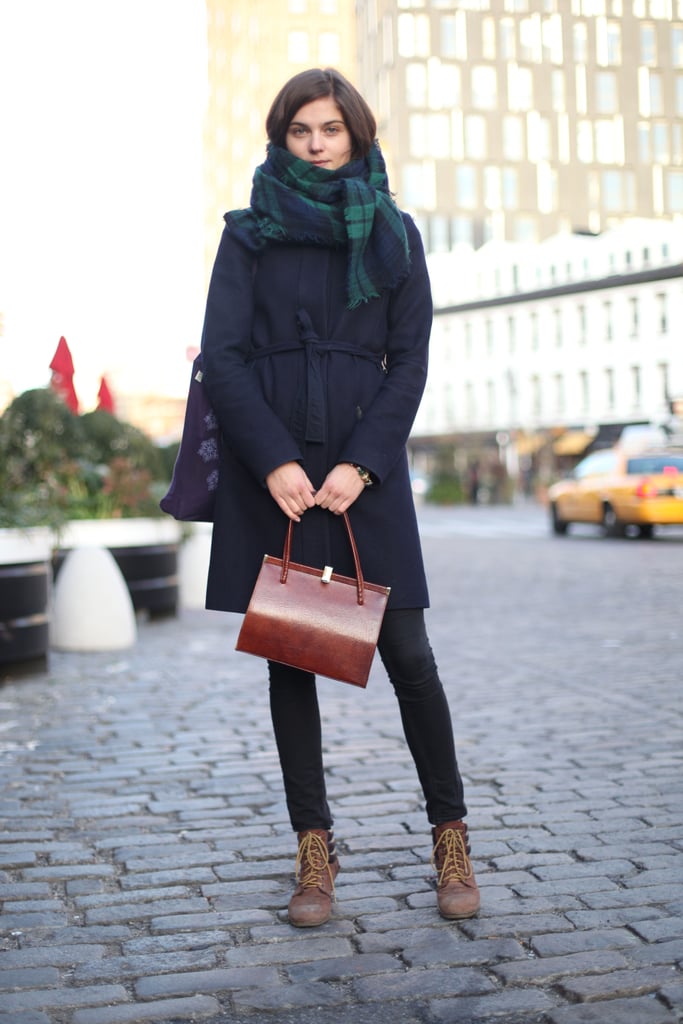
x=313 y=85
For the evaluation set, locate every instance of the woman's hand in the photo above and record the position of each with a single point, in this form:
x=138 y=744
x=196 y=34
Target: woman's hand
x=341 y=488
x=290 y=487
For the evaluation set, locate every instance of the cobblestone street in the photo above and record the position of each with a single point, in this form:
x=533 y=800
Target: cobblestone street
x=146 y=858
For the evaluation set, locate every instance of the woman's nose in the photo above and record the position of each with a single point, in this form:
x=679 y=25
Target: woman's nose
x=316 y=142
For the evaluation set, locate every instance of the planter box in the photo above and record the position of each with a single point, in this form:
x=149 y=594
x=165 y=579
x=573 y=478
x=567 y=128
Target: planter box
x=145 y=550
x=25 y=581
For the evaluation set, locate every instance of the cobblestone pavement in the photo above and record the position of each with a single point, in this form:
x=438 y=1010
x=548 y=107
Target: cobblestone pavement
x=146 y=859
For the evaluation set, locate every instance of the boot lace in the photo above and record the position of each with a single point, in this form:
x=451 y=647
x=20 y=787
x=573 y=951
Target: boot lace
x=312 y=861
x=449 y=858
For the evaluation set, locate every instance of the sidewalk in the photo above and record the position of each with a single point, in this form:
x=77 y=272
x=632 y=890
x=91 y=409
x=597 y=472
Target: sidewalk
x=146 y=858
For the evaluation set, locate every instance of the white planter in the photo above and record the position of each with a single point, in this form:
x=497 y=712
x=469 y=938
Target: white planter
x=146 y=551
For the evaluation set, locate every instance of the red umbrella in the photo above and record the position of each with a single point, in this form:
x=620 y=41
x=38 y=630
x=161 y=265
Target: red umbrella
x=62 y=381
x=104 y=397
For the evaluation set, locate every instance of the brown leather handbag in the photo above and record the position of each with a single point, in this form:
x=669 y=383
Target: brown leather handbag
x=314 y=619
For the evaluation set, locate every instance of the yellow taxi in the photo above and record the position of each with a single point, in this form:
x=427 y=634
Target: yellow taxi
x=619 y=489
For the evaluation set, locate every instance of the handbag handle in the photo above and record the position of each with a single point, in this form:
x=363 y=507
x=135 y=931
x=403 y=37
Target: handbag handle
x=360 y=584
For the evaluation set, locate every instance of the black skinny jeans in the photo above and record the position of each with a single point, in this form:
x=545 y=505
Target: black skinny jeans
x=407 y=656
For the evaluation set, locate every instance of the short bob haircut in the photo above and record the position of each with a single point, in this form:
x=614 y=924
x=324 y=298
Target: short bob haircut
x=314 y=85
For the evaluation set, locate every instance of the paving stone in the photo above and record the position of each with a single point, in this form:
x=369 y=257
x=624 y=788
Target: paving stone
x=197 y=1007
x=429 y=982
x=544 y=970
x=617 y=984
x=509 y=1007
x=582 y=941
x=643 y=1010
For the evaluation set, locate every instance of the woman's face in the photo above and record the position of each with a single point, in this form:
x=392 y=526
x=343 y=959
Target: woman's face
x=318 y=134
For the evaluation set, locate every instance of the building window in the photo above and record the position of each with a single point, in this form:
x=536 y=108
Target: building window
x=678 y=86
x=329 y=6
x=580 y=43
x=664 y=377
x=513 y=138
x=444 y=88
x=508 y=39
x=674 y=191
x=438 y=234
x=584 y=142
x=633 y=315
x=609 y=142
x=297 y=6
x=660 y=143
x=559 y=92
x=484 y=87
x=419 y=185
x=583 y=324
x=510 y=188
x=648 y=45
x=298 y=47
x=453 y=35
x=475 y=137
x=329 y=48
x=512 y=335
x=584 y=391
x=618 y=191
x=488 y=38
x=488 y=333
x=644 y=142
x=416 y=85
x=468 y=339
x=663 y=313
x=551 y=32
x=636 y=386
x=533 y=318
x=536 y=406
x=677 y=46
x=466 y=191
x=413 y=35
x=559 y=394
x=606 y=93
x=462 y=230
x=492 y=190
x=530 y=49
x=609 y=388
x=557 y=321
x=609 y=327
x=520 y=88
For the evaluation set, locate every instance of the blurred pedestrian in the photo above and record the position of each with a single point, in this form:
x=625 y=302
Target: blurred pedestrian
x=315 y=358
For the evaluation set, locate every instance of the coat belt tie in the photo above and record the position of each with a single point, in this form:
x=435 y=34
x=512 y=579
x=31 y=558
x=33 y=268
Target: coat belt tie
x=309 y=421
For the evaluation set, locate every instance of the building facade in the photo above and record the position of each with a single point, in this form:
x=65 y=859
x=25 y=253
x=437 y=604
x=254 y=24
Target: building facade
x=557 y=345
x=517 y=119
x=253 y=48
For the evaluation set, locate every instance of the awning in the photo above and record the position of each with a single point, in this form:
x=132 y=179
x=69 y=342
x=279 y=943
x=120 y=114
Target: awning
x=574 y=442
x=528 y=444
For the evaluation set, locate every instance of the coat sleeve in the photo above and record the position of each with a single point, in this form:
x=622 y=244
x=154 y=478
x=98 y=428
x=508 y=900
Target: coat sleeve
x=253 y=432
x=380 y=437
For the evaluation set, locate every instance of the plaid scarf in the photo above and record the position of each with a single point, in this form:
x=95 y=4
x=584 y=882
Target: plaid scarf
x=294 y=201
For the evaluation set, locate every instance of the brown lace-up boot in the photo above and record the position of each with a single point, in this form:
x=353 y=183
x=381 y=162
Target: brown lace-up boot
x=316 y=868
x=457 y=893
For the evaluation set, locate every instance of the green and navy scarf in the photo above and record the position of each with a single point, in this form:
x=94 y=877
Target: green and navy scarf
x=294 y=201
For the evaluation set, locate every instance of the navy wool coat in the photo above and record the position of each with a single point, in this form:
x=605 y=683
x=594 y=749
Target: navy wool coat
x=293 y=375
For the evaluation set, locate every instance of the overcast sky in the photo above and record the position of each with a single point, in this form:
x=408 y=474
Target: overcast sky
x=101 y=106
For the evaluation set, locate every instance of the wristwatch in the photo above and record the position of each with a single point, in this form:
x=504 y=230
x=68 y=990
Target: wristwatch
x=363 y=474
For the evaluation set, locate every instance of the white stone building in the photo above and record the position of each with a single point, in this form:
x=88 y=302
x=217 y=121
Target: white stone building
x=558 y=344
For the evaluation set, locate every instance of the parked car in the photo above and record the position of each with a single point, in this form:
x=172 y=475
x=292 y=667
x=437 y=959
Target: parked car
x=617 y=490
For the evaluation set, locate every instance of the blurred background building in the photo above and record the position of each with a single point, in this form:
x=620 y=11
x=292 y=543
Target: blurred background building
x=516 y=119
x=253 y=48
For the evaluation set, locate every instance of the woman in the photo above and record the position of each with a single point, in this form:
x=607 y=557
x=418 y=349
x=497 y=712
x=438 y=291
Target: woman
x=315 y=357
